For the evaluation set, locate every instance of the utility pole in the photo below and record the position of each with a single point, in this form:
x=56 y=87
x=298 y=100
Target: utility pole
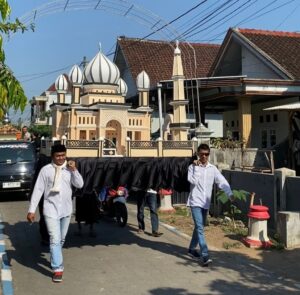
x=160 y=110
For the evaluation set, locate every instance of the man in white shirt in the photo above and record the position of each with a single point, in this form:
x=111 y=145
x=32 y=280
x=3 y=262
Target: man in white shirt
x=201 y=176
x=55 y=181
x=26 y=133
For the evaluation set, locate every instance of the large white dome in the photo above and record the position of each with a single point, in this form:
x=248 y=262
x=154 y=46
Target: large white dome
x=101 y=70
x=76 y=75
x=61 y=83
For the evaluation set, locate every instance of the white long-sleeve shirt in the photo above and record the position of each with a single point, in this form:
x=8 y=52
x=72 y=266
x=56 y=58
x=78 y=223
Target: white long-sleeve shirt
x=56 y=204
x=201 y=179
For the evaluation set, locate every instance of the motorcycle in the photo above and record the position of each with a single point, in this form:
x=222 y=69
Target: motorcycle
x=113 y=204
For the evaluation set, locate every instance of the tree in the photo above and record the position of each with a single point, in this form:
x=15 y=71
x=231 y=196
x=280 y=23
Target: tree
x=11 y=92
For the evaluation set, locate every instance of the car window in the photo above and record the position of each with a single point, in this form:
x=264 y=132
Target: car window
x=16 y=153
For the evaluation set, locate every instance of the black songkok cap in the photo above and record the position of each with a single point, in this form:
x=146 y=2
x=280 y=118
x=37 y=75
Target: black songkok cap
x=58 y=148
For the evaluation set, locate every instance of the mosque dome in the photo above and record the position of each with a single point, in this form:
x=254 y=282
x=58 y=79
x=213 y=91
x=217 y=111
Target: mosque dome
x=61 y=83
x=143 y=81
x=76 y=75
x=101 y=70
x=122 y=88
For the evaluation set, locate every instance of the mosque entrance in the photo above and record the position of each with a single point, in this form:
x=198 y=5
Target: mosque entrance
x=113 y=133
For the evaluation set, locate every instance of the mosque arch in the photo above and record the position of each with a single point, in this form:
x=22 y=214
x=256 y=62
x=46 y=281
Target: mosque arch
x=113 y=132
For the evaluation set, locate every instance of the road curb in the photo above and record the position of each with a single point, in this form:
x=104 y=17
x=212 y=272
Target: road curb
x=6 y=277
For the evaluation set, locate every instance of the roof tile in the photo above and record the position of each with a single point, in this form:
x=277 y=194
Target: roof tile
x=156 y=58
x=282 y=47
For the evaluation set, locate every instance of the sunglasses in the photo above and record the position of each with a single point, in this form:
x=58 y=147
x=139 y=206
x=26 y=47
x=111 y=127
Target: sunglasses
x=203 y=154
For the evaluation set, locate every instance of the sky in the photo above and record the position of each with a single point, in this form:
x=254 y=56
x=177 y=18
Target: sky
x=68 y=30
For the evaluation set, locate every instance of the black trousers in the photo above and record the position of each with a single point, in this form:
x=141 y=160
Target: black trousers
x=43 y=228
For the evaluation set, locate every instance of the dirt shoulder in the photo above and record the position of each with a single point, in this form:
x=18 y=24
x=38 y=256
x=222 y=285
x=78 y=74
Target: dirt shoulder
x=282 y=262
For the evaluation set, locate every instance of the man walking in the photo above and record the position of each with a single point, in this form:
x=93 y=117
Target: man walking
x=55 y=181
x=201 y=176
x=148 y=198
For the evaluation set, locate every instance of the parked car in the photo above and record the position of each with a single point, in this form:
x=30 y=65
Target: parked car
x=18 y=162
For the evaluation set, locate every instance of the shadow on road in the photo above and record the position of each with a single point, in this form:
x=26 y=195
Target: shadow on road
x=252 y=279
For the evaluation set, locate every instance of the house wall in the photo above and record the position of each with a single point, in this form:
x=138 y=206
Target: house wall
x=280 y=126
x=51 y=97
x=254 y=68
x=215 y=123
x=231 y=124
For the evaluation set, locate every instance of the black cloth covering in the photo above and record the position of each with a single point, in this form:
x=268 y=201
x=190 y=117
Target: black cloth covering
x=133 y=173
x=136 y=174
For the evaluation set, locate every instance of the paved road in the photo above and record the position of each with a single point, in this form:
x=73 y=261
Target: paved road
x=120 y=261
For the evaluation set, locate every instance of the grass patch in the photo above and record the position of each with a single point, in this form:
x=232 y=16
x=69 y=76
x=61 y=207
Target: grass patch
x=235 y=245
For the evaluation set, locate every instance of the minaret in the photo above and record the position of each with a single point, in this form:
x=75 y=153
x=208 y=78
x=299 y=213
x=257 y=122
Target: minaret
x=75 y=76
x=61 y=86
x=143 y=86
x=179 y=127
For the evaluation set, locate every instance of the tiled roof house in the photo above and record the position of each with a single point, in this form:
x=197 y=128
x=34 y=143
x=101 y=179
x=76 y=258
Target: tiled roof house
x=156 y=58
x=267 y=67
x=250 y=70
x=279 y=50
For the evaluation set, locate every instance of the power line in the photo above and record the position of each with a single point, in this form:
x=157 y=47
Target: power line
x=207 y=17
x=41 y=75
x=221 y=19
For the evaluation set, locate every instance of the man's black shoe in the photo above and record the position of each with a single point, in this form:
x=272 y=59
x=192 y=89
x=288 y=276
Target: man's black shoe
x=156 y=234
x=206 y=261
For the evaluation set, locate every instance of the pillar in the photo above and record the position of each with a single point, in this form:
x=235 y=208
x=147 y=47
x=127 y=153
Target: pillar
x=245 y=120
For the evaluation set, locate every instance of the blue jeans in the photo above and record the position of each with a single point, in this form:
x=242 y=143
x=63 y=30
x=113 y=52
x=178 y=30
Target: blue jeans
x=57 y=229
x=149 y=199
x=199 y=217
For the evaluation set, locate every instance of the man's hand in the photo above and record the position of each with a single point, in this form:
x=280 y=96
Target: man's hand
x=30 y=217
x=196 y=162
x=71 y=165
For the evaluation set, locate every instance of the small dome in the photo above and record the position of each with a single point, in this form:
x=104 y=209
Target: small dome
x=75 y=75
x=122 y=88
x=177 y=51
x=101 y=70
x=142 y=81
x=61 y=83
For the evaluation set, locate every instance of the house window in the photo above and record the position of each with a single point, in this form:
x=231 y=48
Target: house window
x=264 y=138
x=275 y=117
x=129 y=121
x=87 y=120
x=129 y=134
x=232 y=123
x=83 y=120
x=79 y=120
x=235 y=135
x=268 y=118
x=272 y=137
x=261 y=119
x=141 y=122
